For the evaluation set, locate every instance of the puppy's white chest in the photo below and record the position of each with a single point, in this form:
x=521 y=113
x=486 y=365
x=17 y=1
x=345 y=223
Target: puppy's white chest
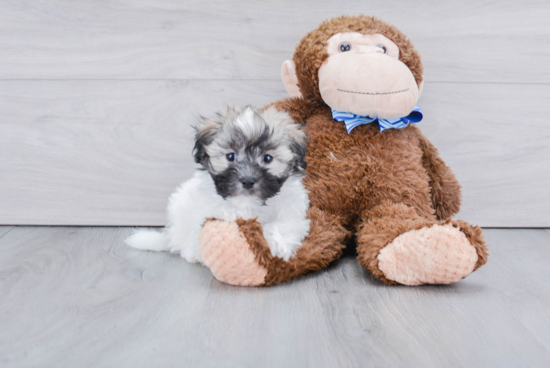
x=240 y=207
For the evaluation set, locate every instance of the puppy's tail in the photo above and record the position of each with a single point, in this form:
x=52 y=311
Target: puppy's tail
x=148 y=240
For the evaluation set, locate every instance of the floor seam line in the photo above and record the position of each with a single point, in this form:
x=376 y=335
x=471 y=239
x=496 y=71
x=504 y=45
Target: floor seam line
x=9 y=231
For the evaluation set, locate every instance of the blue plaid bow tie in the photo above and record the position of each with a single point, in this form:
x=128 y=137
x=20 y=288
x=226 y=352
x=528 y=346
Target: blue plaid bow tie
x=352 y=120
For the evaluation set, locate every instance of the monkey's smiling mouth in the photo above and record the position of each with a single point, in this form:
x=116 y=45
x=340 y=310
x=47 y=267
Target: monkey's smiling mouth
x=375 y=93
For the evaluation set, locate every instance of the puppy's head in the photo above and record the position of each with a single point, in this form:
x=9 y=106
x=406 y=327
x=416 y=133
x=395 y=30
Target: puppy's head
x=250 y=152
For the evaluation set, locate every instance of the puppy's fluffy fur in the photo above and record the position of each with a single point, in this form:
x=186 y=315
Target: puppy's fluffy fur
x=252 y=167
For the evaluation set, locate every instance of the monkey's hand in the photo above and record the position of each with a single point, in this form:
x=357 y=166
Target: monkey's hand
x=446 y=191
x=237 y=252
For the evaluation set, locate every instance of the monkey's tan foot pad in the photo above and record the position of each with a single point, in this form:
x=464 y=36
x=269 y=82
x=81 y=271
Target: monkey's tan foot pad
x=440 y=254
x=226 y=252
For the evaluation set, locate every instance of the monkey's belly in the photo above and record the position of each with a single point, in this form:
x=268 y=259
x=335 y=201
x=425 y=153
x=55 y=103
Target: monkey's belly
x=350 y=173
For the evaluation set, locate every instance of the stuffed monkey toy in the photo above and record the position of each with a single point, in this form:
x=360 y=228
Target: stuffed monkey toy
x=374 y=180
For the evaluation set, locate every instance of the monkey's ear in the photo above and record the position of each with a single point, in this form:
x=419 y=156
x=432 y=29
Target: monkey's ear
x=290 y=80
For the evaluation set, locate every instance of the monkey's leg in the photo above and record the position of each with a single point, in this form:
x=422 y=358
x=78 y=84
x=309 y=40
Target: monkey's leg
x=237 y=253
x=400 y=247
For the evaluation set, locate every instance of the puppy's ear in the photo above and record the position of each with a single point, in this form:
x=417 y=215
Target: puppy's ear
x=299 y=148
x=231 y=113
x=205 y=130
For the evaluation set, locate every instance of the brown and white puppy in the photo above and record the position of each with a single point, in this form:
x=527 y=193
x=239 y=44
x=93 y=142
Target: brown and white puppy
x=252 y=165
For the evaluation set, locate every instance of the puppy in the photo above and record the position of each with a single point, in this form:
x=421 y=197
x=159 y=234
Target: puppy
x=252 y=165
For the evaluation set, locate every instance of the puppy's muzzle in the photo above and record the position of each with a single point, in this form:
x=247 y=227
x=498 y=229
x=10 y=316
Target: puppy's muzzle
x=248 y=182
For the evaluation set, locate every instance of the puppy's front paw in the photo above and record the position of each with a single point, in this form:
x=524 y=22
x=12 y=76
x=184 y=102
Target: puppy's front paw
x=278 y=245
x=227 y=253
x=191 y=255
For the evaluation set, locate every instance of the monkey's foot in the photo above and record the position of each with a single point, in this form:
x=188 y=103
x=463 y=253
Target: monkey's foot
x=440 y=254
x=226 y=252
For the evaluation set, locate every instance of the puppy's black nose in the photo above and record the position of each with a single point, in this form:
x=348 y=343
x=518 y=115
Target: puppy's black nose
x=248 y=182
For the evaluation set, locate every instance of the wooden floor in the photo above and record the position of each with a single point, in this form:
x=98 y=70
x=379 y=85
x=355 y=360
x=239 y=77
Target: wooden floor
x=77 y=297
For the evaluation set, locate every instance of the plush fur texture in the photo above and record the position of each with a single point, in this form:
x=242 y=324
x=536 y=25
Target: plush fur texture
x=227 y=254
x=322 y=246
x=311 y=52
x=368 y=79
x=438 y=254
x=236 y=182
x=389 y=191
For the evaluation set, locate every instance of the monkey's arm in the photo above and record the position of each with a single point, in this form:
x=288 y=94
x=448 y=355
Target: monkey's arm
x=298 y=108
x=446 y=191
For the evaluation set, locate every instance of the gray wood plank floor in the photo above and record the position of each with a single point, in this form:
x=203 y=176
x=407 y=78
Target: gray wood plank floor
x=77 y=297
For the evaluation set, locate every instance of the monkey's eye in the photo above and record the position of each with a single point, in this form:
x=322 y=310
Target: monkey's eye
x=383 y=48
x=268 y=159
x=231 y=157
x=344 y=46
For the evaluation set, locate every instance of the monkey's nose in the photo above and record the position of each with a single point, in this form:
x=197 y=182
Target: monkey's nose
x=248 y=182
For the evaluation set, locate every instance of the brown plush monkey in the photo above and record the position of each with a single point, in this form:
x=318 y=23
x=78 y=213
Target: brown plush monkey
x=385 y=189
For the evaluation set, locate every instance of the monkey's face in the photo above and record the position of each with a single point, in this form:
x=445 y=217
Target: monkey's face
x=363 y=75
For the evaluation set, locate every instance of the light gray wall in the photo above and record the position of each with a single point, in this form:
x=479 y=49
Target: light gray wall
x=96 y=98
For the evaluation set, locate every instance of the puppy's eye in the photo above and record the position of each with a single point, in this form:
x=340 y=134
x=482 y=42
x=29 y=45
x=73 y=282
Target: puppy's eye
x=231 y=157
x=268 y=159
x=383 y=48
x=344 y=46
